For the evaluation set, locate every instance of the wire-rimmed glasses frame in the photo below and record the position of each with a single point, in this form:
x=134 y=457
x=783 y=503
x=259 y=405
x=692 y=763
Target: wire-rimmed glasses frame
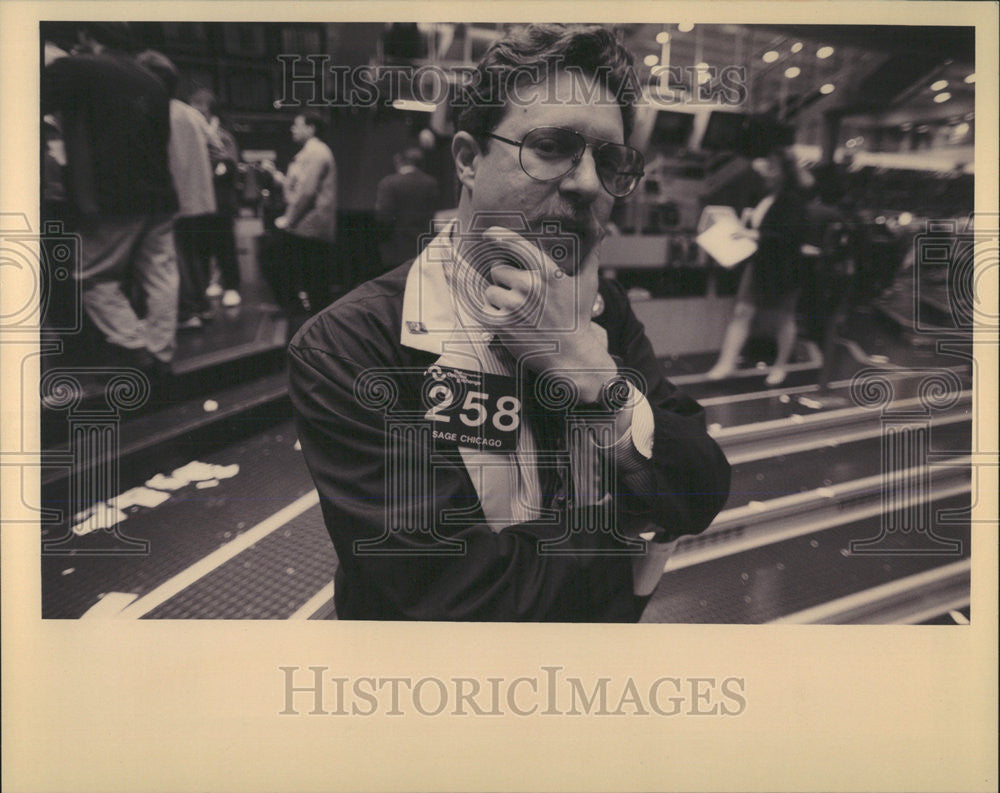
x=618 y=166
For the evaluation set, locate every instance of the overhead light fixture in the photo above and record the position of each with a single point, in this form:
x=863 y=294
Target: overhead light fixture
x=771 y=56
x=940 y=85
x=651 y=60
x=970 y=78
x=797 y=46
x=827 y=88
x=685 y=27
x=824 y=52
x=414 y=105
x=792 y=72
x=944 y=96
x=662 y=37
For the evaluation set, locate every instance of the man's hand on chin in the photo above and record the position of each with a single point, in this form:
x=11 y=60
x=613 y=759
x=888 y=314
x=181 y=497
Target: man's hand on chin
x=542 y=303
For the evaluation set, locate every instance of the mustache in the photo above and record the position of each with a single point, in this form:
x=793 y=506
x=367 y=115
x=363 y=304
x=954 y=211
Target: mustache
x=584 y=225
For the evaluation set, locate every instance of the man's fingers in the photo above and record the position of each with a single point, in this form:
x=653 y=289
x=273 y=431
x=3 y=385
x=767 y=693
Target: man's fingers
x=505 y=300
x=526 y=255
x=513 y=278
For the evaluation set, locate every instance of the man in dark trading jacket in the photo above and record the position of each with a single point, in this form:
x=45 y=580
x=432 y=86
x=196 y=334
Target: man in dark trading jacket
x=488 y=428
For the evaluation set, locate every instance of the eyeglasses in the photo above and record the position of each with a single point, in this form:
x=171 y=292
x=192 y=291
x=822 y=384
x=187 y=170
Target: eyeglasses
x=549 y=153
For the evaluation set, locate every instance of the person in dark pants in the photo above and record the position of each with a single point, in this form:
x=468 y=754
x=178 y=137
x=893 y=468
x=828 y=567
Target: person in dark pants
x=303 y=253
x=488 y=427
x=114 y=120
x=222 y=233
x=405 y=203
x=192 y=145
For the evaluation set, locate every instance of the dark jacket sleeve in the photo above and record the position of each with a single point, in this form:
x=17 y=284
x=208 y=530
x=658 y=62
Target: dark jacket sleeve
x=402 y=554
x=688 y=476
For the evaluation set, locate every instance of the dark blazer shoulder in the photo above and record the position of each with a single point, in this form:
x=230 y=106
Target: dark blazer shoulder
x=366 y=319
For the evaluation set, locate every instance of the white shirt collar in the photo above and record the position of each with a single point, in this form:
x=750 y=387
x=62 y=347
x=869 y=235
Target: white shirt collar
x=430 y=311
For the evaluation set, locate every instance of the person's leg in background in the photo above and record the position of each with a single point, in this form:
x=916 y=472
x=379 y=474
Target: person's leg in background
x=284 y=270
x=106 y=247
x=192 y=246
x=318 y=266
x=223 y=245
x=738 y=330
x=786 y=335
x=155 y=266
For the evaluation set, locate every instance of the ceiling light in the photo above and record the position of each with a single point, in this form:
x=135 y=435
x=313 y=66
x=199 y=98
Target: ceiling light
x=685 y=27
x=770 y=56
x=662 y=37
x=797 y=46
x=942 y=97
x=940 y=85
x=792 y=72
x=970 y=78
x=827 y=88
x=414 y=105
x=824 y=52
x=651 y=60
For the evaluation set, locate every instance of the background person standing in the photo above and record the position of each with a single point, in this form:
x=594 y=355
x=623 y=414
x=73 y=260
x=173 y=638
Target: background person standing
x=405 y=203
x=115 y=123
x=308 y=227
x=222 y=233
x=191 y=169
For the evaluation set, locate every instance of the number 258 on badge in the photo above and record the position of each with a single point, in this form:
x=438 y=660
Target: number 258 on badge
x=471 y=409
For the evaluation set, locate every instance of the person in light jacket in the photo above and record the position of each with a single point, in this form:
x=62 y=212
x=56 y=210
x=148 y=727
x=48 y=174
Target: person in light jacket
x=308 y=227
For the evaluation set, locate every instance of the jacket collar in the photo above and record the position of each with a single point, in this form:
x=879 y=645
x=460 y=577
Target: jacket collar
x=430 y=308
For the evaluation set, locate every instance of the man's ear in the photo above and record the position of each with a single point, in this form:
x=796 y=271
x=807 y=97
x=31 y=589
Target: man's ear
x=465 y=151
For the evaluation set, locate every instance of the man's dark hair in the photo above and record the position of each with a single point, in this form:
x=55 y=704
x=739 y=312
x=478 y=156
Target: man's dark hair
x=160 y=65
x=790 y=176
x=197 y=89
x=315 y=121
x=540 y=50
x=113 y=35
x=412 y=156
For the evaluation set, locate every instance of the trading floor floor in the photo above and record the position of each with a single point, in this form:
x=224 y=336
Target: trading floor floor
x=211 y=513
x=207 y=527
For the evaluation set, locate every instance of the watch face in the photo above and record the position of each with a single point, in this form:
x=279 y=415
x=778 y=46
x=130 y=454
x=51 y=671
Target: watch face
x=616 y=392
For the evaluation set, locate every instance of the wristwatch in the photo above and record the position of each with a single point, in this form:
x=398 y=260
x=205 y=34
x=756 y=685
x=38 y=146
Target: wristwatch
x=615 y=392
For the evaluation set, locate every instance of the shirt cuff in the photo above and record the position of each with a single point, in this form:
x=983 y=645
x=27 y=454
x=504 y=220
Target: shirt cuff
x=642 y=424
x=635 y=447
